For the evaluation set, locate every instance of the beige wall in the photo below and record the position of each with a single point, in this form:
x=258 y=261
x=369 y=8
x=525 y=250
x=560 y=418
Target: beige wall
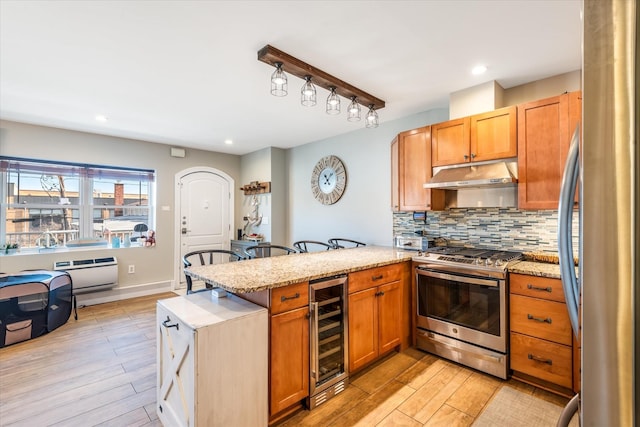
x=154 y=266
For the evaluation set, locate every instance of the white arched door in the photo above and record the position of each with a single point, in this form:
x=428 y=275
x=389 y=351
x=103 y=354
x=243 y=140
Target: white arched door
x=205 y=213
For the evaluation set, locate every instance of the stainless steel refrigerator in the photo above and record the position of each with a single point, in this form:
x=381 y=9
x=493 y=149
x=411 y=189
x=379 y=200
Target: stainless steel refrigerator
x=607 y=285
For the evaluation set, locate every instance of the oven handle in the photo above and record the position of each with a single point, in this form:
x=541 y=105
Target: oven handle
x=456 y=278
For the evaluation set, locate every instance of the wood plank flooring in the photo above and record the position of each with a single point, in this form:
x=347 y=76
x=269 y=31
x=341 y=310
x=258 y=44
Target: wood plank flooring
x=100 y=370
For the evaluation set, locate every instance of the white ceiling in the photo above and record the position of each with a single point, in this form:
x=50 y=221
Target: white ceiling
x=186 y=73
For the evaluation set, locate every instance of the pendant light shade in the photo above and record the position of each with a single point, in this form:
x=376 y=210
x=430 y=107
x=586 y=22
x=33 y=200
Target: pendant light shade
x=308 y=93
x=372 y=118
x=353 y=111
x=333 y=102
x=278 y=81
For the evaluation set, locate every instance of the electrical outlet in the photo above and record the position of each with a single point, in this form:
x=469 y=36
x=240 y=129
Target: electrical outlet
x=132 y=269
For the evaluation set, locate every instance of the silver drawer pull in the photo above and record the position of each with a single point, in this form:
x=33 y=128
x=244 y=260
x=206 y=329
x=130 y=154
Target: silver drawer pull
x=539 y=319
x=378 y=277
x=539 y=359
x=539 y=288
x=167 y=325
x=283 y=298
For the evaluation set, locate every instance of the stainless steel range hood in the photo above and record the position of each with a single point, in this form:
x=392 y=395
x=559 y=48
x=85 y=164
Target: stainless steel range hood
x=494 y=175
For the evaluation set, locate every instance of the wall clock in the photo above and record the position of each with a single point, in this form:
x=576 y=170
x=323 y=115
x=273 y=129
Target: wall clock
x=328 y=180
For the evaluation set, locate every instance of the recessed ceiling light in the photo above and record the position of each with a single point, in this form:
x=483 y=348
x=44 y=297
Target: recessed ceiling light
x=101 y=118
x=478 y=69
x=228 y=142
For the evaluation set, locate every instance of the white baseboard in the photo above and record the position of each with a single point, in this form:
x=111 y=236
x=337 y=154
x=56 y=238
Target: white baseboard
x=118 y=294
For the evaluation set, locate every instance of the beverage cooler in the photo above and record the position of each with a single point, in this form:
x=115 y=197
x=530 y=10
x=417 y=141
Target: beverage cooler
x=328 y=339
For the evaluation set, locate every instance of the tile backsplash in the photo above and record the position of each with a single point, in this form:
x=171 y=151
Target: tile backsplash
x=504 y=228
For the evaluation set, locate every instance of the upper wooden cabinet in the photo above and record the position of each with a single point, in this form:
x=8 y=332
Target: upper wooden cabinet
x=486 y=136
x=410 y=169
x=494 y=135
x=545 y=128
x=450 y=142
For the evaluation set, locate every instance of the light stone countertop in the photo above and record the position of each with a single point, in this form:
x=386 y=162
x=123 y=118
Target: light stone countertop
x=533 y=268
x=267 y=273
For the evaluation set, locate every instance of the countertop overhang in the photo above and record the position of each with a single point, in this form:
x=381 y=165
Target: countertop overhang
x=259 y=274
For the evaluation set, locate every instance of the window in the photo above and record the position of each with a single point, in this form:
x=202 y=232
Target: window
x=49 y=204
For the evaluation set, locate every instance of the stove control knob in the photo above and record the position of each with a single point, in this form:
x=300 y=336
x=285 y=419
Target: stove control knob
x=488 y=261
x=477 y=261
x=499 y=262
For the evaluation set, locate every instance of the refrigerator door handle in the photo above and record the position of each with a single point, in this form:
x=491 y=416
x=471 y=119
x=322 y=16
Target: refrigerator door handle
x=570 y=283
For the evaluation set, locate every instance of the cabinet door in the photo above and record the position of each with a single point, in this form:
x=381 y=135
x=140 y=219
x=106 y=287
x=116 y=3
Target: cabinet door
x=543 y=138
x=494 y=135
x=363 y=328
x=395 y=175
x=414 y=164
x=389 y=315
x=450 y=142
x=175 y=373
x=289 y=359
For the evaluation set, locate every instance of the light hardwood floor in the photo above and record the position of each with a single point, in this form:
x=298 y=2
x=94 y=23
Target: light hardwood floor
x=101 y=370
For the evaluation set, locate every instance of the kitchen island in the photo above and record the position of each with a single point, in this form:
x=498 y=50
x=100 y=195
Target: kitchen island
x=374 y=314
x=268 y=273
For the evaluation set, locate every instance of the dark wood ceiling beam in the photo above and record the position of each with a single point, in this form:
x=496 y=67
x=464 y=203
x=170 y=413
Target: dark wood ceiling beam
x=298 y=68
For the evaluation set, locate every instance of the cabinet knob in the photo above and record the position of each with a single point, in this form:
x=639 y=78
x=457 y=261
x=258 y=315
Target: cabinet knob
x=473 y=156
x=466 y=157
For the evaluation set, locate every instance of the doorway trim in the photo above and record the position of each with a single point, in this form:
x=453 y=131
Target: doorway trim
x=176 y=214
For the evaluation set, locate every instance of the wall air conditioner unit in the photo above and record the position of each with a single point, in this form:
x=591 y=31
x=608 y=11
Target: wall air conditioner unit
x=90 y=275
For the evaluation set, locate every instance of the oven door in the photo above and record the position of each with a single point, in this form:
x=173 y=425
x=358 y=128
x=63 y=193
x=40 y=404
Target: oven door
x=464 y=307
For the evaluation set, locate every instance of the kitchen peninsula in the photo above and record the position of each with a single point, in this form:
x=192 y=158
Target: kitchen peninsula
x=268 y=273
x=373 y=315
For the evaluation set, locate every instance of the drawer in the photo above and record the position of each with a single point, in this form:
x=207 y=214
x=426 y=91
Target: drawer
x=548 y=320
x=289 y=297
x=542 y=359
x=538 y=287
x=371 y=277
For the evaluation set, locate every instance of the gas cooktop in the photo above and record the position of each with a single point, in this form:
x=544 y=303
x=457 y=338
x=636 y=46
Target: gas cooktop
x=492 y=259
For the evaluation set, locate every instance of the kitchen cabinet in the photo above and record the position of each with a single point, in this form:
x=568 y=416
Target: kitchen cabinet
x=545 y=128
x=542 y=344
x=289 y=338
x=410 y=169
x=487 y=136
x=289 y=346
x=211 y=359
x=375 y=313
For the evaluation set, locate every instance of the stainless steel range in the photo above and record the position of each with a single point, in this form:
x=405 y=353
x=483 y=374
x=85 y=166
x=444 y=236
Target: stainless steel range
x=462 y=306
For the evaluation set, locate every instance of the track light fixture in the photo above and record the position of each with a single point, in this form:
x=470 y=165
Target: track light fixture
x=308 y=92
x=337 y=88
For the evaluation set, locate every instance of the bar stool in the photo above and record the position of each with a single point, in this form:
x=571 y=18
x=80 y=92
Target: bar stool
x=340 y=243
x=310 y=245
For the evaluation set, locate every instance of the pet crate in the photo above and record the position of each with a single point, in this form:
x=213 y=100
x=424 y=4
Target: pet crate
x=33 y=303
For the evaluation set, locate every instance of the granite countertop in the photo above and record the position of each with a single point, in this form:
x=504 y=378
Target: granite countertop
x=533 y=268
x=267 y=273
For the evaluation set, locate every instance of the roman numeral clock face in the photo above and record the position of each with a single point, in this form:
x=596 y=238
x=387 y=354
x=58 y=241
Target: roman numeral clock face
x=328 y=180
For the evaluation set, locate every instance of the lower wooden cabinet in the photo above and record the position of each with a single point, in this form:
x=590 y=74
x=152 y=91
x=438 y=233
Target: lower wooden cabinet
x=289 y=358
x=542 y=342
x=375 y=314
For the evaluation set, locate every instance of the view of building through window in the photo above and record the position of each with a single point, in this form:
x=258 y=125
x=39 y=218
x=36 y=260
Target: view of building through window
x=49 y=205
